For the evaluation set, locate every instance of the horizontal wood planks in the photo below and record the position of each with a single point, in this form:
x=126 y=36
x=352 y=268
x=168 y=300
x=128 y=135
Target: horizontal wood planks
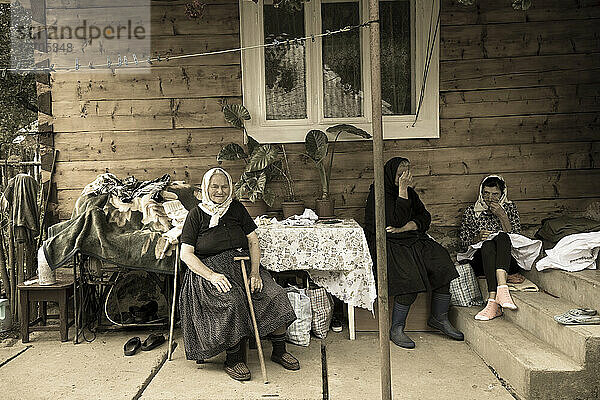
x=519 y=95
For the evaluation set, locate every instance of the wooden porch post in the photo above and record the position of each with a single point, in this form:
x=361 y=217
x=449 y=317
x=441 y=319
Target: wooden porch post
x=382 y=281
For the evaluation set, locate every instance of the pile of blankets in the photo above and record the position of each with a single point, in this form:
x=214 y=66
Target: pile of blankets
x=124 y=223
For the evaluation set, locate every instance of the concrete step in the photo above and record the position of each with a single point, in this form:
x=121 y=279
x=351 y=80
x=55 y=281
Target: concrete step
x=536 y=315
x=581 y=288
x=533 y=368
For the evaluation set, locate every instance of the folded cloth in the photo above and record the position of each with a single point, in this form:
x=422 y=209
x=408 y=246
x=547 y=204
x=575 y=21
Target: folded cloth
x=262 y=220
x=308 y=217
x=554 y=229
x=525 y=286
x=572 y=253
x=523 y=249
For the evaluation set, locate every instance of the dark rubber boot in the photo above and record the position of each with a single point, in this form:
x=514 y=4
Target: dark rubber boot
x=440 y=303
x=397 y=334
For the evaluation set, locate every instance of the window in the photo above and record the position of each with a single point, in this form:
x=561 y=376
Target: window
x=314 y=84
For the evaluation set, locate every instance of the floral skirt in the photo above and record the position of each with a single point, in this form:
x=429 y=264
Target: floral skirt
x=213 y=321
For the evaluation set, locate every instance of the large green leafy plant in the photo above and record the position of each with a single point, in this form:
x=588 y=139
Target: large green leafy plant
x=316 y=144
x=262 y=160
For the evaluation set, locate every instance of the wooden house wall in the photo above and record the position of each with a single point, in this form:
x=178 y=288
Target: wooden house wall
x=519 y=95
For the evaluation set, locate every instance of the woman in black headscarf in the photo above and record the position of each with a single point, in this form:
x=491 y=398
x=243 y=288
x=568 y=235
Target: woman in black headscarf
x=415 y=262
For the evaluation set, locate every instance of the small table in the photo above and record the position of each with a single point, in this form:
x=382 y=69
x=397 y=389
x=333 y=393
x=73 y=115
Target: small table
x=336 y=256
x=59 y=293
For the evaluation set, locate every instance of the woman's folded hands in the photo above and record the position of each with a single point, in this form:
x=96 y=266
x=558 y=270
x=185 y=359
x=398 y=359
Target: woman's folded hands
x=409 y=226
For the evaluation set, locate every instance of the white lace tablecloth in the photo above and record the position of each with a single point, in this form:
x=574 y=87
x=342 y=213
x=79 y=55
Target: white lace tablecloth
x=336 y=257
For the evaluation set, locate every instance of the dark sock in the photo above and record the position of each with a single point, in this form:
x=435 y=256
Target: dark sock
x=278 y=342
x=235 y=355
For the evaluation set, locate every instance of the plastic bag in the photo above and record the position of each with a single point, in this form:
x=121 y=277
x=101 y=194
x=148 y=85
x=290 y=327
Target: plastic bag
x=299 y=331
x=322 y=311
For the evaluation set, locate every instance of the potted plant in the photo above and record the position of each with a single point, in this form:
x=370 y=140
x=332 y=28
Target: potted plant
x=260 y=159
x=316 y=144
x=290 y=205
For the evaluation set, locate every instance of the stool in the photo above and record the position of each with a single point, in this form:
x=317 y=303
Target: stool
x=60 y=292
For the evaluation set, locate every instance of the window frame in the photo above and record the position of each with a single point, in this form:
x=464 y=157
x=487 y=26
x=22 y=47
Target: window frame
x=394 y=126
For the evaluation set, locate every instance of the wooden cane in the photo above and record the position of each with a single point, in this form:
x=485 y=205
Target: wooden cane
x=170 y=351
x=261 y=358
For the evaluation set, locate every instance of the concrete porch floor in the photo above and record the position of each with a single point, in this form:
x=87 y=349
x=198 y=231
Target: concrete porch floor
x=45 y=368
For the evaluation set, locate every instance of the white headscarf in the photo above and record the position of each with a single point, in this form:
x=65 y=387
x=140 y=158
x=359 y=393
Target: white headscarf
x=216 y=211
x=481 y=206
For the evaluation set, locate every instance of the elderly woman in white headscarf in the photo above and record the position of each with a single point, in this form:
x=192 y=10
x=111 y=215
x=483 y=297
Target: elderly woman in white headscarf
x=215 y=315
x=490 y=220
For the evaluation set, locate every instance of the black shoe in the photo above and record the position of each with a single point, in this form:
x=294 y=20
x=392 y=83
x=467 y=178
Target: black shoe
x=336 y=325
x=152 y=341
x=399 y=338
x=442 y=324
x=132 y=346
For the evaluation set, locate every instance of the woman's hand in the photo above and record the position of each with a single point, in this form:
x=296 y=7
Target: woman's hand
x=409 y=226
x=405 y=180
x=483 y=235
x=220 y=281
x=498 y=210
x=256 y=283
x=391 y=229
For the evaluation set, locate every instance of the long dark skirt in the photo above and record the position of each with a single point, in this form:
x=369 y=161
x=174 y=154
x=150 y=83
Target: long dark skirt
x=422 y=265
x=212 y=321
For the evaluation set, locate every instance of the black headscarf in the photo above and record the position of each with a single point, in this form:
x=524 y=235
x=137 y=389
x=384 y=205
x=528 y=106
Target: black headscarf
x=389 y=174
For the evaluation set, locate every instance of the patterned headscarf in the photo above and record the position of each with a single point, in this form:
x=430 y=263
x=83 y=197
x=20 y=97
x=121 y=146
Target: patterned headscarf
x=480 y=205
x=216 y=211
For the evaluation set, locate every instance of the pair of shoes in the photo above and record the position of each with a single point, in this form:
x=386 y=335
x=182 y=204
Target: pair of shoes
x=504 y=299
x=152 y=341
x=287 y=361
x=239 y=371
x=336 y=325
x=491 y=311
x=580 y=312
x=578 y=316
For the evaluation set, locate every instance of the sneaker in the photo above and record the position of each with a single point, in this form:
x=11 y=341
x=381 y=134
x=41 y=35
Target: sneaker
x=491 y=311
x=336 y=325
x=503 y=298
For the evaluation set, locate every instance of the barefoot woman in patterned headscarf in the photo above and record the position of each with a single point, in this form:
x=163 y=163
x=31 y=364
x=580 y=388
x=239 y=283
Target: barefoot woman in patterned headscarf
x=214 y=311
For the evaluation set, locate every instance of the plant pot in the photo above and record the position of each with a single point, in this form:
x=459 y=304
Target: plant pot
x=325 y=208
x=292 y=208
x=259 y=207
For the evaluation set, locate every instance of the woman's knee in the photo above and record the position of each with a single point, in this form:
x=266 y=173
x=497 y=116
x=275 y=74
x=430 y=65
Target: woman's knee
x=503 y=237
x=488 y=246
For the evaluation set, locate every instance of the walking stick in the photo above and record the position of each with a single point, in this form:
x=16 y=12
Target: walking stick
x=173 y=303
x=263 y=368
